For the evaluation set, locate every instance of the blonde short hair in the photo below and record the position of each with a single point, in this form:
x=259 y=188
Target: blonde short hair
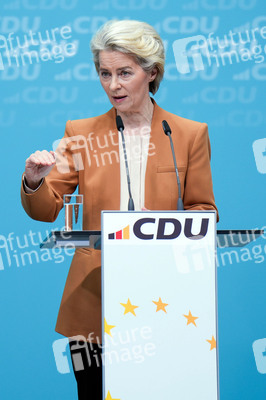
x=135 y=38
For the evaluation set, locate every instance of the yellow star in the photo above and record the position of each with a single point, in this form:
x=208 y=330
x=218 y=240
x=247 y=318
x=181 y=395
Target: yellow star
x=212 y=343
x=129 y=307
x=109 y=397
x=107 y=328
x=160 y=305
x=190 y=318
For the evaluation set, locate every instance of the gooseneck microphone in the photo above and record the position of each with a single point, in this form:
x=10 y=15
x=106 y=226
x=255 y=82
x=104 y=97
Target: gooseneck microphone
x=120 y=128
x=167 y=131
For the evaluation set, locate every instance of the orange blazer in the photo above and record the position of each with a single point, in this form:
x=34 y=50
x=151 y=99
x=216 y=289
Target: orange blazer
x=88 y=156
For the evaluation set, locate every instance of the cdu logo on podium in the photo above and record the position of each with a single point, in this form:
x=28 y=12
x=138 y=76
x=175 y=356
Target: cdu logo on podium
x=161 y=228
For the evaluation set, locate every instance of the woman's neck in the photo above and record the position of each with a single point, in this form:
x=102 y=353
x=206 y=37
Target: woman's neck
x=138 y=119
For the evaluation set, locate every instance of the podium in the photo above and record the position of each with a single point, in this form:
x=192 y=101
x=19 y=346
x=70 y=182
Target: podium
x=159 y=302
x=159 y=305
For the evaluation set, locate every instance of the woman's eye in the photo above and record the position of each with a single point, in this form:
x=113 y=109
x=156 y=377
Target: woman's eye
x=105 y=74
x=125 y=73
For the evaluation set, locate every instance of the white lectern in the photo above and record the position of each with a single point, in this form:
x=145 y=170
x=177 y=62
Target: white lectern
x=159 y=305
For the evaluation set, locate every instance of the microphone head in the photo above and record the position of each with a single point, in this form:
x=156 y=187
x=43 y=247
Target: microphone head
x=119 y=123
x=166 y=128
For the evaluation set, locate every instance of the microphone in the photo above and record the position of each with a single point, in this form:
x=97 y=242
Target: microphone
x=168 y=132
x=120 y=128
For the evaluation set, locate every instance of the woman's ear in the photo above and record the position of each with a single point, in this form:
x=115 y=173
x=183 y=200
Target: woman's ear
x=153 y=74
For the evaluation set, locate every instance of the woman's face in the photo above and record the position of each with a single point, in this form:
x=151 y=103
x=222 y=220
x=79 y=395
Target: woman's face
x=124 y=81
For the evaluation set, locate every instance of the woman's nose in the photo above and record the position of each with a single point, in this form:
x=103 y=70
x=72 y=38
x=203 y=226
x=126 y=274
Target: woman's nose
x=114 y=84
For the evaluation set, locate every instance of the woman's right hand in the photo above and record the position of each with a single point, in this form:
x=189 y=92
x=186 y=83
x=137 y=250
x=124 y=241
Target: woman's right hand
x=38 y=165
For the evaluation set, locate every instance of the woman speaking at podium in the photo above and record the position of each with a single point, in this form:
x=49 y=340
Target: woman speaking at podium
x=129 y=58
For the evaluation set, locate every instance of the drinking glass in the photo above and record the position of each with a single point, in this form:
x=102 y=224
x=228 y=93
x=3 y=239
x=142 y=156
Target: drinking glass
x=73 y=204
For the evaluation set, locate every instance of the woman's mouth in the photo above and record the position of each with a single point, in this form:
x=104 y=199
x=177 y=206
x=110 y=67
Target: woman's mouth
x=119 y=99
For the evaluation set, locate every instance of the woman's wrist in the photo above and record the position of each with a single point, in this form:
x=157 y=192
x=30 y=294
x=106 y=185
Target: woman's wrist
x=33 y=185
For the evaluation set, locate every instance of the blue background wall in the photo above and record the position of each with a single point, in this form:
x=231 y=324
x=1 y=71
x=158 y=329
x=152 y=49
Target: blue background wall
x=38 y=99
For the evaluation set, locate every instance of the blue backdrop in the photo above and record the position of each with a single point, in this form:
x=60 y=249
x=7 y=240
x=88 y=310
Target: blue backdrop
x=202 y=82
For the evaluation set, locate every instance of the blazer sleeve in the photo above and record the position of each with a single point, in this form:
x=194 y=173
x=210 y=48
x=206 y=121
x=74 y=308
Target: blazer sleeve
x=46 y=202
x=198 y=194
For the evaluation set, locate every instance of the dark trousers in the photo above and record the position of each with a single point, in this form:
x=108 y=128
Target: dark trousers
x=87 y=365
